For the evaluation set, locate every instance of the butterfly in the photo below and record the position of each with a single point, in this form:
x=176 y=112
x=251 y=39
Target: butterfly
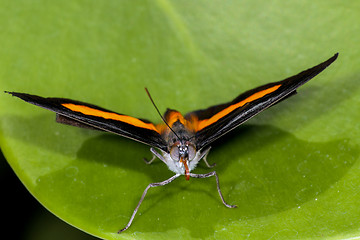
x=179 y=141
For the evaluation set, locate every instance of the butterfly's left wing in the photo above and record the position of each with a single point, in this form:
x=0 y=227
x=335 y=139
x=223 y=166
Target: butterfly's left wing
x=87 y=115
x=215 y=121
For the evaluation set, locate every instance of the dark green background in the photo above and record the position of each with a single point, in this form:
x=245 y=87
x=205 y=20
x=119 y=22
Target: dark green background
x=293 y=170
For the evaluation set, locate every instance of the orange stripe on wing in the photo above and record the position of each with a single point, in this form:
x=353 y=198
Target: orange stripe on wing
x=204 y=123
x=109 y=115
x=172 y=117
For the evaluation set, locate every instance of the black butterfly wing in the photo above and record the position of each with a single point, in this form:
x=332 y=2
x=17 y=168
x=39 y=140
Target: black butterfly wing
x=215 y=121
x=86 y=115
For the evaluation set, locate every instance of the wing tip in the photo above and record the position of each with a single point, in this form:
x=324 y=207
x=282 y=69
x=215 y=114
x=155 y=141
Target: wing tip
x=333 y=58
x=23 y=96
x=328 y=62
x=11 y=93
x=15 y=94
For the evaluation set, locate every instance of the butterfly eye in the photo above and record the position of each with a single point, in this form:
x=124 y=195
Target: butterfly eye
x=174 y=153
x=191 y=152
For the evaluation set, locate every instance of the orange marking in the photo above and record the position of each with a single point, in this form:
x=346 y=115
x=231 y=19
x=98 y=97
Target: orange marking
x=171 y=118
x=109 y=115
x=204 y=123
x=175 y=116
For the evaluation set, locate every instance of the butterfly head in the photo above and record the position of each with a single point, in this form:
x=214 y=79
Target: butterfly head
x=182 y=153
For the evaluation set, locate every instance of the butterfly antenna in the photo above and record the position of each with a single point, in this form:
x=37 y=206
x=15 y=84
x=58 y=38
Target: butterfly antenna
x=148 y=93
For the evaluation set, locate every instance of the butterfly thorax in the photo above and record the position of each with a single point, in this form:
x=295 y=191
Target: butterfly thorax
x=182 y=155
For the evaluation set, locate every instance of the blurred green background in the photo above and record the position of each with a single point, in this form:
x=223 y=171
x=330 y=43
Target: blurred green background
x=293 y=170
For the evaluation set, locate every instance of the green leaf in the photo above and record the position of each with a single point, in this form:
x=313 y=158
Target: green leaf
x=293 y=170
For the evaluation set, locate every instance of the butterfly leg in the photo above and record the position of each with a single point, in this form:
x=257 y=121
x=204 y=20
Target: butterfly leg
x=149 y=161
x=210 y=174
x=155 y=155
x=204 y=156
x=167 y=181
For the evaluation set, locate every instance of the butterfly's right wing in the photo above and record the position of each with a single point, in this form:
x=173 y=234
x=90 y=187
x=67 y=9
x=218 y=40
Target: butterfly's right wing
x=82 y=114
